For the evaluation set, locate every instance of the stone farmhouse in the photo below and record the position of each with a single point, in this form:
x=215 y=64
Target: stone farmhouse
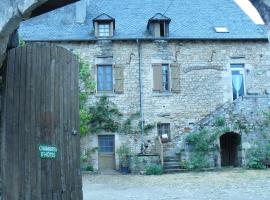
x=180 y=64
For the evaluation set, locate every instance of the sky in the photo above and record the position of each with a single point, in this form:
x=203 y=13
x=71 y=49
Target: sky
x=250 y=10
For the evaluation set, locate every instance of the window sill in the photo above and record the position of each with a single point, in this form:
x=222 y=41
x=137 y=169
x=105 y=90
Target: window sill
x=167 y=94
x=105 y=95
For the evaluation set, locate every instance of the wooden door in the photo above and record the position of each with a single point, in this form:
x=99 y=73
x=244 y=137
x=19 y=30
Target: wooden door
x=106 y=155
x=41 y=114
x=229 y=144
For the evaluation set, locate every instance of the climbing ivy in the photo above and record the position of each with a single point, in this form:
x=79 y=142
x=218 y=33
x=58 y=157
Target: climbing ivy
x=21 y=42
x=104 y=116
x=203 y=142
x=86 y=86
x=130 y=127
x=259 y=155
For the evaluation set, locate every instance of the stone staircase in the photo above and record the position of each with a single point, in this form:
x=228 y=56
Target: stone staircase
x=172 y=165
x=249 y=108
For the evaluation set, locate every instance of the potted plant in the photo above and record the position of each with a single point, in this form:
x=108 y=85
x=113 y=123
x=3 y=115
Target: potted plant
x=123 y=153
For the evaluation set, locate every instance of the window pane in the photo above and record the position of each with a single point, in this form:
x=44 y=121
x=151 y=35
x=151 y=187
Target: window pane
x=104 y=30
x=106 y=143
x=163 y=129
x=238 y=87
x=104 y=78
x=165 y=77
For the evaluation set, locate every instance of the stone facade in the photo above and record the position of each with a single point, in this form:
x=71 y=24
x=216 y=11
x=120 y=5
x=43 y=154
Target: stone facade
x=205 y=80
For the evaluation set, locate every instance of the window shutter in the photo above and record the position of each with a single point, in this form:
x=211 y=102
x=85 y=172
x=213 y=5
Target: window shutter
x=175 y=77
x=157 y=77
x=119 y=79
x=111 y=29
x=96 y=29
x=157 y=29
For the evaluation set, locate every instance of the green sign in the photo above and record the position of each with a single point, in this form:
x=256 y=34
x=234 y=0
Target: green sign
x=47 y=151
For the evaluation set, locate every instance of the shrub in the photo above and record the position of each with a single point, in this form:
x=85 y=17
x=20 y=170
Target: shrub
x=184 y=165
x=220 y=122
x=198 y=160
x=89 y=168
x=255 y=163
x=154 y=170
x=123 y=153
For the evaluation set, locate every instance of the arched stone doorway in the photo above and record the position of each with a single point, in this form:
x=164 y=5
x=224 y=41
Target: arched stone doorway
x=230 y=149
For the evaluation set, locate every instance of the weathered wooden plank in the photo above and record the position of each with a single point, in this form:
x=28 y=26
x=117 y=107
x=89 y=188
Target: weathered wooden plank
x=72 y=129
x=38 y=55
x=44 y=180
x=66 y=121
x=49 y=116
x=18 y=121
x=33 y=139
x=76 y=142
x=7 y=138
x=61 y=120
x=26 y=132
x=13 y=153
x=56 y=181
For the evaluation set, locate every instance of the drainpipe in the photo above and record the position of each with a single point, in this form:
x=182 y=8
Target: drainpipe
x=141 y=95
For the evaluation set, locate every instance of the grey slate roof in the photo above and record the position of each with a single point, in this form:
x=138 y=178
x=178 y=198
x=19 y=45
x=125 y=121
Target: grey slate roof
x=190 y=19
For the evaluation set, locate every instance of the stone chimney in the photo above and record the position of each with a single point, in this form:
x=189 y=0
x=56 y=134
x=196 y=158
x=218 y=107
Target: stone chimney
x=81 y=11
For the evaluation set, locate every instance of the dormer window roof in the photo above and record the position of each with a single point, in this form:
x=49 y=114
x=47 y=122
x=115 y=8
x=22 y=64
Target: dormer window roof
x=159 y=17
x=158 y=25
x=104 y=25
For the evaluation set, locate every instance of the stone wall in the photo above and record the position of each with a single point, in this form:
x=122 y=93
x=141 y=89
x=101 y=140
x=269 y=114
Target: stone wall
x=205 y=79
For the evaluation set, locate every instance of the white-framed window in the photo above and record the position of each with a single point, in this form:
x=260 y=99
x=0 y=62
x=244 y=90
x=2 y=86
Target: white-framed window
x=238 y=80
x=104 y=29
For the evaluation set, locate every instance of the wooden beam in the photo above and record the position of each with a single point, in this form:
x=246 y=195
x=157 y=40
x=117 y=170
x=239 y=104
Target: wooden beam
x=50 y=5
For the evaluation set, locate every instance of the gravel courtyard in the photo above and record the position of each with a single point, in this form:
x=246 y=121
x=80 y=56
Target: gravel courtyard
x=231 y=184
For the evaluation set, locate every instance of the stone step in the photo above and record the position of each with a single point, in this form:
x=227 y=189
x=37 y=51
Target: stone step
x=170 y=157
x=172 y=163
x=169 y=171
x=171 y=160
x=165 y=167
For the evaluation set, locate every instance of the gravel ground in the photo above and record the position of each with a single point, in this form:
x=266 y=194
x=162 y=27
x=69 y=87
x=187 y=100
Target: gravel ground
x=233 y=184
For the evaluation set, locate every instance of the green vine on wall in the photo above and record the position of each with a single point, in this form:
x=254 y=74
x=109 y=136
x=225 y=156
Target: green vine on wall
x=203 y=142
x=129 y=127
x=104 y=116
x=86 y=87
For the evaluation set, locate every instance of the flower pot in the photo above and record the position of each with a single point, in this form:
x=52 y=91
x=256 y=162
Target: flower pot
x=124 y=170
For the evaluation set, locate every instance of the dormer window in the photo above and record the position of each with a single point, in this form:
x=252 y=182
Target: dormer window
x=104 y=26
x=158 y=25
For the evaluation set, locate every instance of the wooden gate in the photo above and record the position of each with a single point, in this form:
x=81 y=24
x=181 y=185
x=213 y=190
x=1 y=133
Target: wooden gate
x=40 y=143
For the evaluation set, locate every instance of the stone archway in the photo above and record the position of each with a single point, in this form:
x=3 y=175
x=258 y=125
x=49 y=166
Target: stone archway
x=230 y=149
